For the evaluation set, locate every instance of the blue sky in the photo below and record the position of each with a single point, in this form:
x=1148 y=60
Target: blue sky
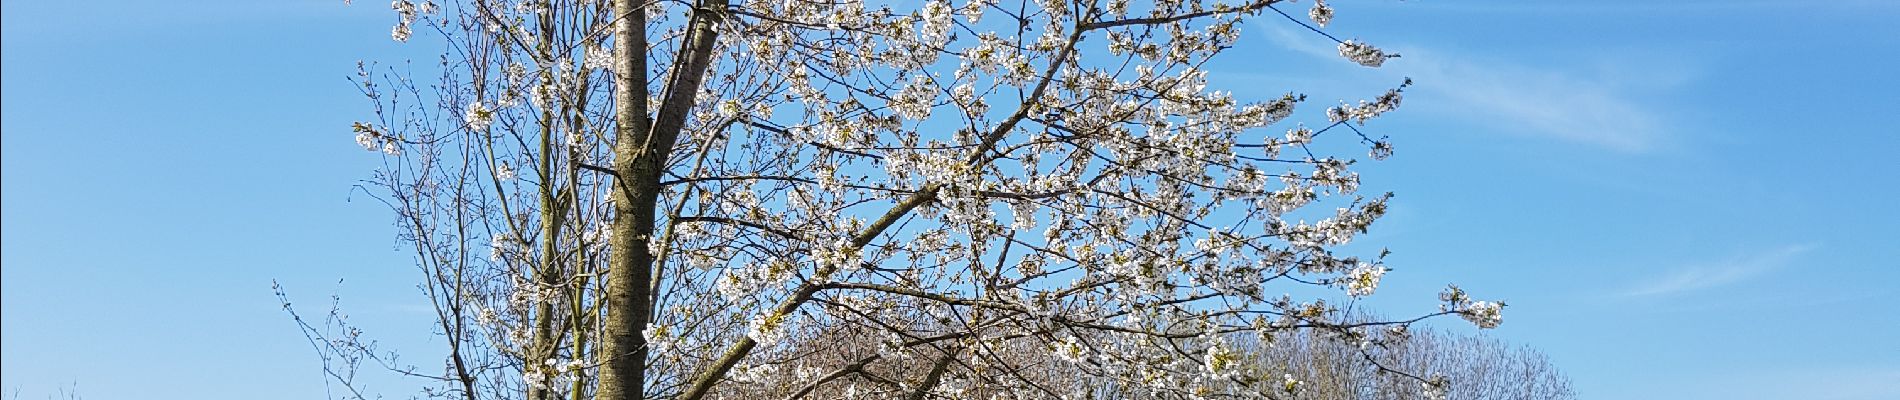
x=1686 y=199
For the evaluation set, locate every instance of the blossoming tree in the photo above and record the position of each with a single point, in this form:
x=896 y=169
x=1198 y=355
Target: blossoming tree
x=690 y=199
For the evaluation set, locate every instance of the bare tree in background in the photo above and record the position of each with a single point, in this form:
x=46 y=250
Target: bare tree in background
x=1328 y=367
x=1320 y=364
x=664 y=199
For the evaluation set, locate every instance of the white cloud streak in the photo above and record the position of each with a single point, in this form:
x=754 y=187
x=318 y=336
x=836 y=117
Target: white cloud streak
x=1500 y=96
x=1647 y=7
x=1699 y=277
x=1523 y=100
x=1851 y=381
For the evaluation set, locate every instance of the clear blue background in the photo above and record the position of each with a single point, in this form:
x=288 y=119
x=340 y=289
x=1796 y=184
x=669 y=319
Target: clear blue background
x=1684 y=199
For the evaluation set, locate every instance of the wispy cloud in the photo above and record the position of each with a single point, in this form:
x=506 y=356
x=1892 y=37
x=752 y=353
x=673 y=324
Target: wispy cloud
x=1854 y=381
x=1595 y=107
x=1698 y=277
x=1525 y=100
x=1650 y=7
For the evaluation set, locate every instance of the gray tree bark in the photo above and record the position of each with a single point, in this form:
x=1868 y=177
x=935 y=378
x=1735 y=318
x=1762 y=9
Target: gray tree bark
x=640 y=153
x=623 y=370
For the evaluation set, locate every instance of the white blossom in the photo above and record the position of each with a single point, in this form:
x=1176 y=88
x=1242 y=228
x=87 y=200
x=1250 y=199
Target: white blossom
x=1070 y=350
x=729 y=108
x=1435 y=388
x=406 y=12
x=973 y=10
x=597 y=57
x=504 y=172
x=535 y=378
x=1362 y=53
x=601 y=233
x=369 y=141
x=1299 y=135
x=841 y=254
x=916 y=99
x=1321 y=13
x=1364 y=279
x=577 y=142
x=478 y=117
x=1484 y=314
x=766 y=328
x=1380 y=150
x=1220 y=359
x=936 y=24
x=399 y=33
x=499 y=246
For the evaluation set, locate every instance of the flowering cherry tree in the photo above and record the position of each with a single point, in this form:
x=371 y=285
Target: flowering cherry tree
x=694 y=199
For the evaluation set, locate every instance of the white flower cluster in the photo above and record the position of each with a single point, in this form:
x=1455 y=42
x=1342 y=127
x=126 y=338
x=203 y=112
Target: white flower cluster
x=1332 y=172
x=550 y=373
x=536 y=7
x=1363 y=280
x=659 y=338
x=914 y=101
x=1221 y=360
x=375 y=140
x=753 y=373
x=966 y=97
x=1321 y=13
x=525 y=295
x=500 y=247
x=1381 y=150
x=597 y=57
x=766 y=328
x=1368 y=110
x=1340 y=229
x=973 y=10
x=487 y=316
x=514 y=75
x=1435 y=388
x=406 y=12
x=478 y=117
x=601 y=233
x=738 y=283
x=840 y=255
x=1362 y=53
x=937 y=20
x=1484 y=314
x=1299 y=135
x=1070 y=350
x=992 y=53
x=503 y=172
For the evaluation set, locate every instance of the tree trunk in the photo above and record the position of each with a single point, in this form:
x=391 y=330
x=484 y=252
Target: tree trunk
x=623 y=371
